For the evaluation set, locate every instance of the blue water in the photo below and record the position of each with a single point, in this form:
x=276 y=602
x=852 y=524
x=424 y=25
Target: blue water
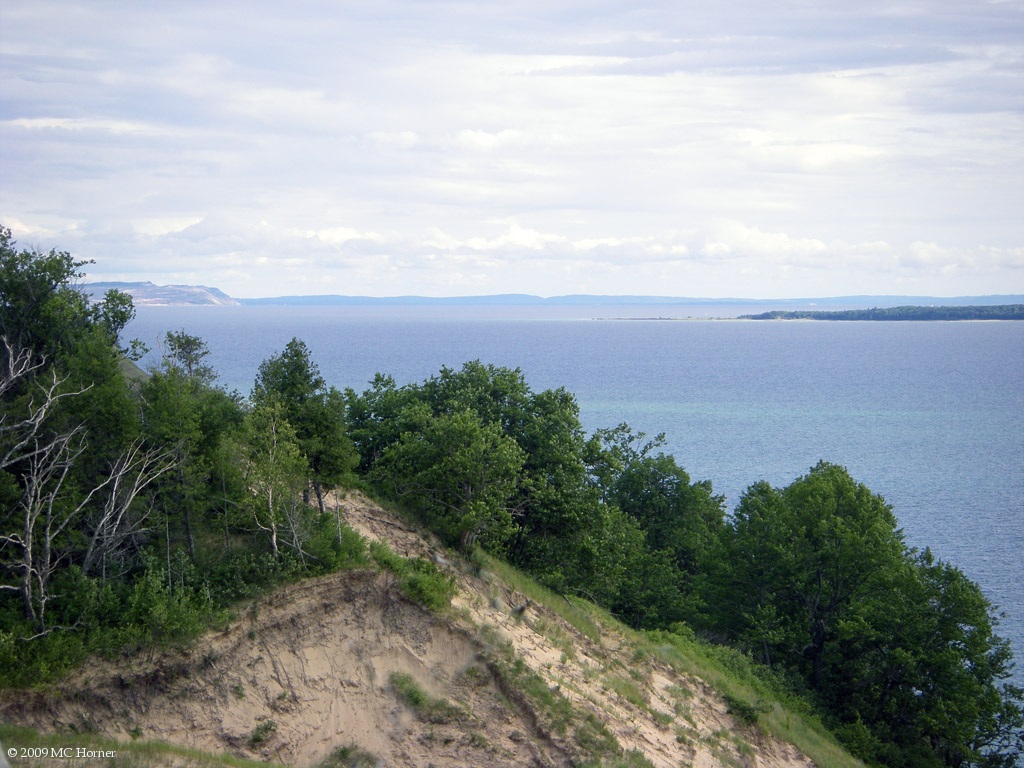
x=928 y=414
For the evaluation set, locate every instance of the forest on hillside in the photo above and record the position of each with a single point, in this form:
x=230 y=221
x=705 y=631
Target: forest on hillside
x=137 y=507
x=913 y=312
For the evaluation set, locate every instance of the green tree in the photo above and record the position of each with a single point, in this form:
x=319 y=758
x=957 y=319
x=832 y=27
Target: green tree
x=681 y=519
x=373 y=417
x=899 y=650
x=315 y=411
x=187 y=353
x=550 y=517
x=43 y=310
x=807 y=556
x=457 y=471
x=926 y=671
x=183 y=409
x=275 y=472
x=40 y=309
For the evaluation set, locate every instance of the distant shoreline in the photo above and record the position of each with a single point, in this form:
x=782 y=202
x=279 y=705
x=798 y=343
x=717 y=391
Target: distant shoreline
x=150 y=294
x=901 y=313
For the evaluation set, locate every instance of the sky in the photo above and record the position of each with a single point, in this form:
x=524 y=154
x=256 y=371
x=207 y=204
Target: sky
x=447 y=147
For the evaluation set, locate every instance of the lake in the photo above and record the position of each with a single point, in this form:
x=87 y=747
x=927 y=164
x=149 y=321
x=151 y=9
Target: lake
x=928 y=414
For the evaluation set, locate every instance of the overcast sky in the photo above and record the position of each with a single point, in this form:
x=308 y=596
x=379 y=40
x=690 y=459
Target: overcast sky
x=734 y=148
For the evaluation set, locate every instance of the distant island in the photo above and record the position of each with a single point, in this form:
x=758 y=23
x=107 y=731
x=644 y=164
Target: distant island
x=906 y=312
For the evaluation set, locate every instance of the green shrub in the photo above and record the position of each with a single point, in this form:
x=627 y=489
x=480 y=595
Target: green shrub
x=427 y=708
x=744 y=710
x=418 y=579
x=243 y=574
x=594 y=738
x=349 y=756
x=167 y=614
x=425 y=584
x=262 y=732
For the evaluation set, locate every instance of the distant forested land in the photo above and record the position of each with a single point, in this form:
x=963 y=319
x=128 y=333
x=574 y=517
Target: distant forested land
x=992 y=312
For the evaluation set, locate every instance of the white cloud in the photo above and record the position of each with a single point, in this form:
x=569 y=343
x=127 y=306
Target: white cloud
x=410 y=148
x=394 y=140
x=485 y=141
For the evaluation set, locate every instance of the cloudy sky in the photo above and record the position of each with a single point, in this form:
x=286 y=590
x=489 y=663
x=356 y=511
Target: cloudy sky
x=453 y=147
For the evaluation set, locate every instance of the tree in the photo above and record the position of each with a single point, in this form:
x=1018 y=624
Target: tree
x=19 y=427
x=927 y=672
x=41 y=308
x=683 y=520
x=457 y=471
x=316 y=412
x=555 y=507
x=190 y=417
x=118 y=522
x=275 y=471
x=807 y=556
x=373 y=417
x=899 y=650
x=65 y=418
x=45 y=510
x=418 y=443
x=188 y=353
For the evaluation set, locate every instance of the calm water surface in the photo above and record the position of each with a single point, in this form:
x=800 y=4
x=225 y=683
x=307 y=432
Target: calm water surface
x=928 y=414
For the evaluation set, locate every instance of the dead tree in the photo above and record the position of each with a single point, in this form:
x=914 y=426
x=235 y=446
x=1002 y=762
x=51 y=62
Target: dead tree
x=45 y=510
x=118 y=521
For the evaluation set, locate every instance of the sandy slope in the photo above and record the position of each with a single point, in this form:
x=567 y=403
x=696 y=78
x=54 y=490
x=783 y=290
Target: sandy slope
x=307 y=670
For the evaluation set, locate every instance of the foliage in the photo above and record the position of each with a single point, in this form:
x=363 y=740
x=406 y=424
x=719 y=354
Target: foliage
x=131 y=506
x=458 y=472
x=419 y=579
x=349 y=756
x=427 y=708
x=990 y=312
x=817 y=580
x=292 y=382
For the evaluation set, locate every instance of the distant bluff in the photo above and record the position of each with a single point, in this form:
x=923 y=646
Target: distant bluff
x=147 y=294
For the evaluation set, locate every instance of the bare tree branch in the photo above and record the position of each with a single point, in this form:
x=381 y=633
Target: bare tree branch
x=133 y=471
x=17 y=364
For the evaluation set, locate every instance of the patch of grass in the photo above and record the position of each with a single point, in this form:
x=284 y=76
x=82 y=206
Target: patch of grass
x=579 y=613
x=736 y=676
x=418 y=579
x=513 y=674
x=777 y=712
x=685 y=735
x=679 y=692
x=349 y=756
x=630 y=759
x=474 y=676
x=594 y=738
x=628 y=690
x=427 y=708
x=664 y=719
x=478 y=740
x=558 y=636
